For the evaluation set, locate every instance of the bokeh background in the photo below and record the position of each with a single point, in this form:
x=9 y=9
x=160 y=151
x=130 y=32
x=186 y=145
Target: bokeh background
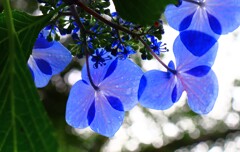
x=176 y=129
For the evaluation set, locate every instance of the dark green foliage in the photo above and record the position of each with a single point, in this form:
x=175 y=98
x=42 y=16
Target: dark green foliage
x=24 y=124
x=144 y=12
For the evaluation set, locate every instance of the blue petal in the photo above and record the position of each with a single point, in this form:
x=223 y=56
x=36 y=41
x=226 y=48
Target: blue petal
x=175 y=15
x=80 y=105
x=199 y=71
x=186 y=60
x=157 y=90
x=42 y=43
x=200 y=22
x=47 y=61
x=171 y=65
x=115 y=103
x=197 y=43
x=123 y=83
x=57 y=56
x=39 y=77
x=111 y=68
x=186 y=22
x=202 y=92
x=100 y=73
x=107 y=120
x=227 y=15
x=43 y=66
x=214 y=24
x=180 y=17
x=91 y=113
x=142 y=86
x=117 y=93
x=177 y=91
x=174 y=94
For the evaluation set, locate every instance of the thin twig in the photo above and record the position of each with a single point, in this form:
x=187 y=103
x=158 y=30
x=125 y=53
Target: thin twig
x=83 y=33
x=102 y=19
x=154 y=54
x=118 y=27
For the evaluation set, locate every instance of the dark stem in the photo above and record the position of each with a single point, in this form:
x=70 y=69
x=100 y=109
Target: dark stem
x=102 y=19
x=118 y=27
x=155 y=56
x=88 y=69
x=83 y=34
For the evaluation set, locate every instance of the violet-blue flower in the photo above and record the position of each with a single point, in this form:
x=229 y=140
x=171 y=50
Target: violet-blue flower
x=47 y=59
x=103 y=107
x=122 y=51
x=157 y=46
x=160 y=90
x=214 y=17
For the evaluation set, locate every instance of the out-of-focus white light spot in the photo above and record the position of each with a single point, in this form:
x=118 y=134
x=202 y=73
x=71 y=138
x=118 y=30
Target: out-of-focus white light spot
x=237 y=140
x=84 y=133
x=186 y=124
x=151 y=65
x=201 y=147
x=72 y=76
x=208 y=123
x=195 y=134
x=216 y=149
x=132 y=145
x=170 y=130
x=230 y=146
x=232 y=120
x=158 y=143
x=225 y=69
x=118 y=141
x=144 y=129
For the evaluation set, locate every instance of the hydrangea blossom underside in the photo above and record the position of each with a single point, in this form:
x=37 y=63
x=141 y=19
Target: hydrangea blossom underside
x=103 y=109
x=214 y=17
x=160 y=90
x=47 y=59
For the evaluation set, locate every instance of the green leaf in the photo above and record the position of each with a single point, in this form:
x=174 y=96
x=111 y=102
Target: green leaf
x=24 y=124
x=143 y=12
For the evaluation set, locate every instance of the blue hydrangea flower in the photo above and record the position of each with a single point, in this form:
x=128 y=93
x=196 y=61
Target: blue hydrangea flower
x=46 y=60
x=122 y=51
x=54 y=30
x=103 y=108
x=156 y=46
x=125 y=52
x=160 y=90
x=100 y=57
x=214 y=17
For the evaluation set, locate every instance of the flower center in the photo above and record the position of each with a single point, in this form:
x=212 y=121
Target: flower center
x=100 y=58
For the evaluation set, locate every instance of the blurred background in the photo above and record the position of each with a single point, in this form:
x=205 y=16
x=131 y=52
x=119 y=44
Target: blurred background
x=176 y=129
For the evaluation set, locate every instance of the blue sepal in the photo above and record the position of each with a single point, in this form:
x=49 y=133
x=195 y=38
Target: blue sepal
x=196 y=42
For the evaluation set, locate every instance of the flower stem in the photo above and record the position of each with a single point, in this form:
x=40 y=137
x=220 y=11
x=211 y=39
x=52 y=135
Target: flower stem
x=83 y=34
x=118 y=27
x=102 y=19
x=155 y=56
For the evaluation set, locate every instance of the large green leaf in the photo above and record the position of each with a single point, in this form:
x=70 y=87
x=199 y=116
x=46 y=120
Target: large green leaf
x=24 y=125
x=143 y=12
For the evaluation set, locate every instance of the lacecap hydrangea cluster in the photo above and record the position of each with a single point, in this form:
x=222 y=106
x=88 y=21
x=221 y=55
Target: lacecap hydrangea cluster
x=112 y=84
